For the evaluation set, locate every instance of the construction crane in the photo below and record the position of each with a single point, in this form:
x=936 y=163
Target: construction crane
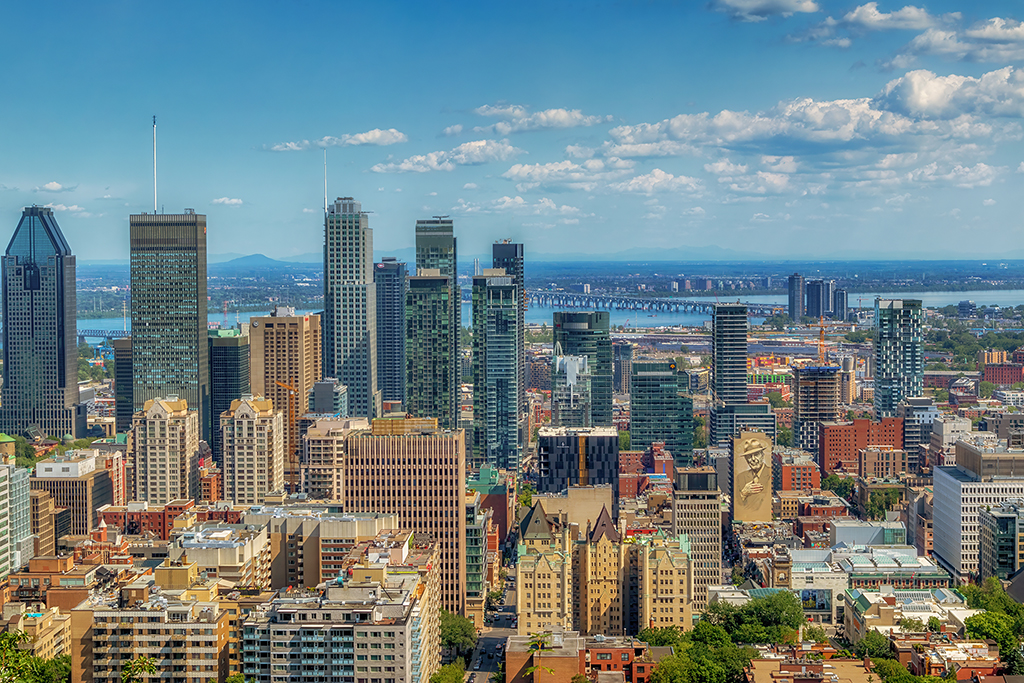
x=293 y=429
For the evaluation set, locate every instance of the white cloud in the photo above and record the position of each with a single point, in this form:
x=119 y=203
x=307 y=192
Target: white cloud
x=979 y=175
x=587 y=175
x=869 y=18
x=469 y=186
x=466 y=154
x=759 y=10
x=579 y=151
x=312 y=210
x=725 y=167
x=694 y=211
x=376 y=136
x=227 y=201
x=779 y=164
x=74 y=208
x=996 y=40
x=1020 y=168
x=922 y=93
x=517 y=118
x=433 y=194
x=989 y=202
x=451 y=131
x=542 y=207
x=658 y=181
x=54 y=186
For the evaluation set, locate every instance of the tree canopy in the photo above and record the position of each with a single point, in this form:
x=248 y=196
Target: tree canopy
x=457 y=632
x=704 y=655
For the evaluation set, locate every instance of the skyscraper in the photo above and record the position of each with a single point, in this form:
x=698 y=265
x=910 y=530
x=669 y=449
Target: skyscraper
x=622 y=361
x=660 y=411
x=284 y=366
x=229 y=377
x=124 y=406
x=570 y=391
x=40 y=386
x=253 y=445
x=496 y=370
x=899 y=353
x=390 y=278
x=509 y=256
x=796 y=297
x=840 y=303
x=436 y=249
x=350 y=305
x=588 y=334
x=816 y=399
x=169 y=338
x=166 y=451
x=697 y=512
x=819 y=298
x=431 y=386
x=729 y=354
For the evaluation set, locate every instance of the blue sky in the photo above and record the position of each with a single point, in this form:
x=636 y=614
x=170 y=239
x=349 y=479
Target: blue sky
x=795 y=128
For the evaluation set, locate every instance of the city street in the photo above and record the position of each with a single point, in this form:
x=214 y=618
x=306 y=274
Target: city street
x=486 y=653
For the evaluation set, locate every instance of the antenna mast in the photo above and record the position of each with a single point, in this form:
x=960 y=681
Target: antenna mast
x=325 y=181
x=154 y=163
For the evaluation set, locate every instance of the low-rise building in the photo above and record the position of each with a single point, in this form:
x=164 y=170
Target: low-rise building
x=80 y=481
x=566 y=654
x=49 y=631
x=379 y=621
x=234 y=552
x=790 y=670
x=881 y=461
x=140 y=517
x=883 y=609
x=794 y=470
x=858 y=532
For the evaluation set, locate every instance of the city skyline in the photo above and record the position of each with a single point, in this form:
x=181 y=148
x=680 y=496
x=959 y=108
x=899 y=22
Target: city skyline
x=835 y=126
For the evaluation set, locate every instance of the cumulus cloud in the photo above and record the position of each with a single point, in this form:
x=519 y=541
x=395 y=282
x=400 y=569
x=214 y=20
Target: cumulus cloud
x=979 y=175
x=759 y=10
x=452 y=131
x=658 y=181
x=469 y=186
x=989 y=202
x=74 y=208
x=995 y=40
x=923 y=94
x=725 y=167
x=227 y=201
x=586 y=175
x=579 y=152
x=376 y=136
x=54 y=186
x=312 y=210
x=517 y=118
x=466 y=154
x=866 y=18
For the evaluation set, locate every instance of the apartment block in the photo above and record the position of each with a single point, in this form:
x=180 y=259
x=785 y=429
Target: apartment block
x=166 y=451
x=882 y=462
x=841 y=442
x=253 y=438
x=78 y=481
x=141 y=518
x=794 y=470
x=815 y=400
x=234 y=552
x=323 y=457
x=666 y=586
x=697 y=514
x=578 y=457
x=1001 y=532
x=544 y=575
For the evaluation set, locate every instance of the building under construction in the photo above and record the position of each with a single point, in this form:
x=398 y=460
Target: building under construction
x=815 y=400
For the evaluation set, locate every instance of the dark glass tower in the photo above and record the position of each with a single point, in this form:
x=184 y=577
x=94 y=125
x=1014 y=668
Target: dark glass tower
x=729 y=354
x=390 y=278
x=588 y=334
x=170 y=351
x=40 y=353
x=899 y=353
x=431 y=390
x=495 y=371
x=508 y=256
x=436 y=249
x=124 y=406
x=660 y=411
x=229 y=377
x=796 y=297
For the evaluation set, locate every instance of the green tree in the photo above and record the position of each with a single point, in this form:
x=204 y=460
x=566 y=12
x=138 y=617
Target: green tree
x=856 y=337
x=457 y=632
x=996 y=626
x=135 y=669
x=934 y=625
x=235 y=678
x=737 y=575
x=841 y=486
x=579 y=678
x=784 y=436
x=526 y=493
x=912 y=625
x=449 y=673
x=14 y=662
x=777 y=401
x=940 y=396
x=985 y=389
x=700 y=439
x=623 y=440
x=873 y=645
x=815 y=634
x=494 y=599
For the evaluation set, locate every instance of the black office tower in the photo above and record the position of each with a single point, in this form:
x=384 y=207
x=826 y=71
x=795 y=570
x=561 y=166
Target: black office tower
x=124 y=406
x=796 y=297
x=659 y=410
x=390 y=277
x=40 y=390
x=509 y=256
x=588 y=334
x=229 y=378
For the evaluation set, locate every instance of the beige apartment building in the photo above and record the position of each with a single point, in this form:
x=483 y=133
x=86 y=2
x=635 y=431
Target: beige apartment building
x=166 y=451
x=544 y=575
x=697 y=513
x=252 y=443
x=323 y=457
x=41 y=512
x=284 y=363
x=666 y=584
x=49 y=631
x=414 y=469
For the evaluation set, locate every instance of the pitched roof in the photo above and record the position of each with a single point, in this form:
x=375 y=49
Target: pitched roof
x=535 y=525
x=604 y=527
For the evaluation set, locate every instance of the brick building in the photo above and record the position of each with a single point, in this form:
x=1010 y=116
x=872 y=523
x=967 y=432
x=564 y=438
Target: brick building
x=841 y=442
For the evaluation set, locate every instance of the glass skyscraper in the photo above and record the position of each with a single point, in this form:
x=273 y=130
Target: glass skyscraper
x=496 y=371
x=390 y=278
x=40 y=388
x=588 y=334
x=509 y=256
x=660 y=411
x=350 y=306
x=170 y=350
x=431 y=390
x=229 y=377
x=437 y=250
x=899 y=353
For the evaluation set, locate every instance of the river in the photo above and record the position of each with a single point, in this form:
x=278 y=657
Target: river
x=632 y=318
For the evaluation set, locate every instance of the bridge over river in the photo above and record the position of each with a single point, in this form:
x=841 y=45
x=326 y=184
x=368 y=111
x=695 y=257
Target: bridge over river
x=570 y=300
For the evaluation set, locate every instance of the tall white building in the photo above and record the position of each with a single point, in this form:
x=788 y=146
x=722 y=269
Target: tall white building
x=166 y=451
x=252 y=443
x=350 y=306
x=987 y=473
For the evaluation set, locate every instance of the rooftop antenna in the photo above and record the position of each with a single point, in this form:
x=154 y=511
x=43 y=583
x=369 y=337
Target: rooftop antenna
x=154 y=163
